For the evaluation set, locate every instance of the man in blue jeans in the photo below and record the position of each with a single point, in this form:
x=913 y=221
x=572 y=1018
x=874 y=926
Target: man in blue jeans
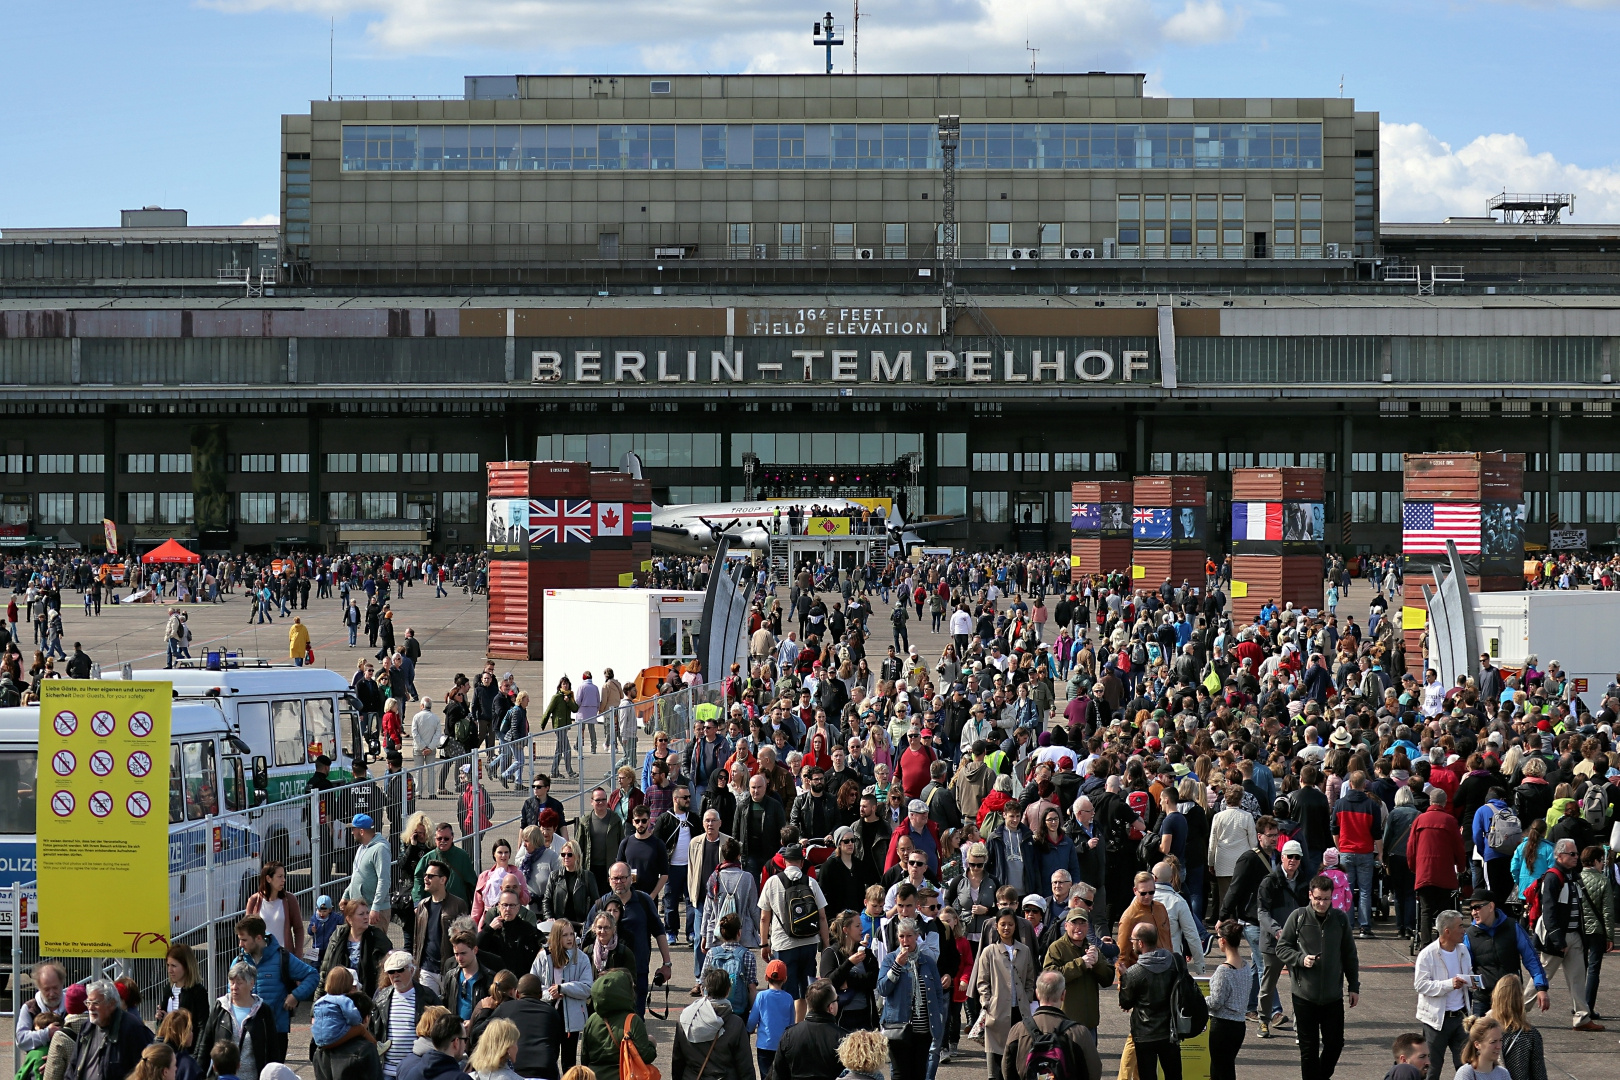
x=798 y=950
x=1357 y=820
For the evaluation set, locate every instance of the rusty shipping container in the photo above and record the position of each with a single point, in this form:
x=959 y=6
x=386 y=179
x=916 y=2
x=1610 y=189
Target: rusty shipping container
x=1091 y=555
x=1463 y=477
x=1285 y=579
x=1277 y=485
x=1160 y=491
x=1178 y=566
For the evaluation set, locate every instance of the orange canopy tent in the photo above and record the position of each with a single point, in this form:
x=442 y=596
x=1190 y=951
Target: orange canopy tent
x=171 y=551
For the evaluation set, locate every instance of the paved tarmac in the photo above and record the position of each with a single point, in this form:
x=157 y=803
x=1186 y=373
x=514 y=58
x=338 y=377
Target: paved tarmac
x=452 y=632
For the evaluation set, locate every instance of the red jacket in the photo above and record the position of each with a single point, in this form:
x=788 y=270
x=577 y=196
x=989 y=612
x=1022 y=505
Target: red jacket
x=1446 y=779
x=1435 y=851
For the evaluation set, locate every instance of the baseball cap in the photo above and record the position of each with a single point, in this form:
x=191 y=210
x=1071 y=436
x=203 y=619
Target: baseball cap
x=1479 y=900
x=917 y=806
x=363 y=821
x=1034 y=901
x=1077 y=915
x=1293 y=848
x=324 y=903
x=398 y=960
x=776 y=971
x=322 y=759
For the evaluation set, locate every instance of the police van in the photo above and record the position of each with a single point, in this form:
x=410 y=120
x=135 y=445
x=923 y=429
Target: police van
x=208 y=791
x=241 y=742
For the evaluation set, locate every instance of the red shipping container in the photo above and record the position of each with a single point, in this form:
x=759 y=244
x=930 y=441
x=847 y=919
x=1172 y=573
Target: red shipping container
x=1159 y=491
x=1277 y=485
x=1178 y=566
x=1092 y=556
x=1295 y=579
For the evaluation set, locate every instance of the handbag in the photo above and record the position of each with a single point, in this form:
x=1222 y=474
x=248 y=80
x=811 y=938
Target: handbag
x=631 y=1067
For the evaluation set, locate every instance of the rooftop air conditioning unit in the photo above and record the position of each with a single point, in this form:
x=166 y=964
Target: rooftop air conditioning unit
x=1080 y=253
x=1333 y=251
x=1110 y=250
x=759 y=251
x=1026 y=253
x=864 y=254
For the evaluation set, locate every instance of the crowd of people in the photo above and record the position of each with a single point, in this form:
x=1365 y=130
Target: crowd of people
x=885 y=860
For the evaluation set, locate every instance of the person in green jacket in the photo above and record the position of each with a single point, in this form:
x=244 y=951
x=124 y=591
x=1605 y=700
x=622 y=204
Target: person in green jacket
x=559 y=714
x=462 y=876
x=613 y=999
x=1083 y=968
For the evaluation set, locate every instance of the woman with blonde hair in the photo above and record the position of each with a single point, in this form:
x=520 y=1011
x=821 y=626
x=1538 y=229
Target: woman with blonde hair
x=157 y=1063
x=496 y=1051
x=863 y=1054
x=1522 y=1052
x=567 y=974
x=1482 y=1053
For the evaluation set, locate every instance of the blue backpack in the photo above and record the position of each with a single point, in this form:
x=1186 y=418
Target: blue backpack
x=729 y=958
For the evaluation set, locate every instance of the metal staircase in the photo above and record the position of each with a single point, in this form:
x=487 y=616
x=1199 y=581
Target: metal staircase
x=780 y=570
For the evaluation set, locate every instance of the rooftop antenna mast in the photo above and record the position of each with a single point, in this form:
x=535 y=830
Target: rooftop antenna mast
x=950 y=137
x=1032 y=51
x=1341 y=86
x=829 y=35
x=855 y=40
x=331 y=59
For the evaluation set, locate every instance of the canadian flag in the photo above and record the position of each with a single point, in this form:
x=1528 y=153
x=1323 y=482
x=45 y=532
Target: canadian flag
x=611 y=520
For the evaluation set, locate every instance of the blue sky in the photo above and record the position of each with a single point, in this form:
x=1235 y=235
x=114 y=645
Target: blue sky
x=121 y=105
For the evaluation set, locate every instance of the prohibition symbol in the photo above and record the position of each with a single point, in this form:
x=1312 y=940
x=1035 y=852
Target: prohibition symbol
x=103 y=723
x=139 y=804
x=140 y=763
x=101 y=763
x=101 y=804
x=63 y=763
x=140 y=725
x=65 y=723
x=62 y=803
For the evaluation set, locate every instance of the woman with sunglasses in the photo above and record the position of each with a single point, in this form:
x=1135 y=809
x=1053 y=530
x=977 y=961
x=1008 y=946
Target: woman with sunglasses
x=849 y=965
x=571 y=892
x=843 y=877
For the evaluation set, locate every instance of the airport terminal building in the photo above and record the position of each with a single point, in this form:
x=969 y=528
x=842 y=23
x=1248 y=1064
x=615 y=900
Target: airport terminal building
x=750 y=281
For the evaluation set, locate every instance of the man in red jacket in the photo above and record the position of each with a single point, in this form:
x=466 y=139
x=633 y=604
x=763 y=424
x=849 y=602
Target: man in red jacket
x=1435 y=851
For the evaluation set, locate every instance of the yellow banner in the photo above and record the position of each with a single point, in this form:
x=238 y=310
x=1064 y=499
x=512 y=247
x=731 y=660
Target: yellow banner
x=1414 y=618
x=626 y=580
x=827 y=526
x=1138 y=571
x=101 y=818
x=1240 y=589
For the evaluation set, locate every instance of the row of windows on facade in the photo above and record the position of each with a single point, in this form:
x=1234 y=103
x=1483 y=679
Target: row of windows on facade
x=245 y=463
x=1149 y=226
x=1534 y=462
x=252 y=507
x=831 y=146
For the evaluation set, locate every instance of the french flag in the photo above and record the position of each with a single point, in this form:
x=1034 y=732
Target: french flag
x=1257 y=521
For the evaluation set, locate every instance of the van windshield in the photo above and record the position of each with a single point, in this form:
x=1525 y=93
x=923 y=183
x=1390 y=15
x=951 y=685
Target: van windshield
x=18 y=770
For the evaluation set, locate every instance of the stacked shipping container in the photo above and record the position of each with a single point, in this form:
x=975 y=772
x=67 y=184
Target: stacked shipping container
x=1100 y=515
x=1476 y=500
x=1169 y=530
x=1278 y=527
x=557 y=525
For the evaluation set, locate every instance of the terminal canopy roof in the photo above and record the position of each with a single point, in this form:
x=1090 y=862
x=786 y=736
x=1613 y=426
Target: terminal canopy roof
x=171 y=551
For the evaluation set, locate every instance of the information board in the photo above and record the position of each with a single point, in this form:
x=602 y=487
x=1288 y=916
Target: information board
x=102 y=821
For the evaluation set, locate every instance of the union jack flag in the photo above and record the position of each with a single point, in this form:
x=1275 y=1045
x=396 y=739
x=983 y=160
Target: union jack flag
x=1141 y=517
x=560 y=521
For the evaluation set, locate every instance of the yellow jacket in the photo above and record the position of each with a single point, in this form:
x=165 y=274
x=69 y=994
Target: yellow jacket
x=297 y=640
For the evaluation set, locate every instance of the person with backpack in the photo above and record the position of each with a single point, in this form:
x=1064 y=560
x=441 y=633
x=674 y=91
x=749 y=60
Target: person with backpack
x=1554 y=913
x=737 y=961
x=1048 y=1045
x=793 y=924
x=1497 y=834
x=1319 y=948
x=1145 y=990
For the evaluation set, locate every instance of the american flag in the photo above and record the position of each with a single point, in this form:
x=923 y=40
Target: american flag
x=560 y=521
x=1426 y=526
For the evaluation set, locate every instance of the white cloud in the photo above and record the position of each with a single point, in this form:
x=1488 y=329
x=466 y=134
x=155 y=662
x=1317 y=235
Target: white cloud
x=760 y=35
x=264 y=219
x=1424 y=179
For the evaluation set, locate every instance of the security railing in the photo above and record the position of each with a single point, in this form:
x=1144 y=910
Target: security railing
x=215 y=862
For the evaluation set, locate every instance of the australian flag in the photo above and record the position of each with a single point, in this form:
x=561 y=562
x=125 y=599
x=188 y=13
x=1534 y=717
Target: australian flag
x=1150 y=526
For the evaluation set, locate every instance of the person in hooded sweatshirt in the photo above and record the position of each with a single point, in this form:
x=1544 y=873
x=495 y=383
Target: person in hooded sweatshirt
x=442 y=1061
x=711 y=1040
x=613 y=1001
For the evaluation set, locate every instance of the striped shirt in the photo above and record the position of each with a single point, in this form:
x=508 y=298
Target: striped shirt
x=401 y=1029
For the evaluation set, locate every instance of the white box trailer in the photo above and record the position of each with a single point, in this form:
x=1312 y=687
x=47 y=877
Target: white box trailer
x=623 y=629
x=1575 y=628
